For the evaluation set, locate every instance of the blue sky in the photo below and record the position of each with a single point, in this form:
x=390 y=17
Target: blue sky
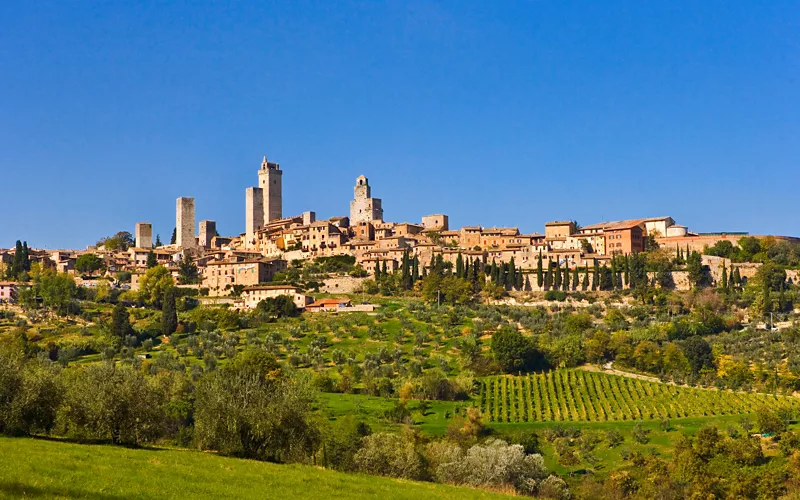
x=496 y=113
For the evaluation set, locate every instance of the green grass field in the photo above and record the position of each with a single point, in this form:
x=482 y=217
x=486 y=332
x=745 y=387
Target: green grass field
x=35 y=468
x=581 y=396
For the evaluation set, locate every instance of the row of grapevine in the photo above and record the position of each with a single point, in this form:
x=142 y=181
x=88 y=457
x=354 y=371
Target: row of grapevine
x=582 y=396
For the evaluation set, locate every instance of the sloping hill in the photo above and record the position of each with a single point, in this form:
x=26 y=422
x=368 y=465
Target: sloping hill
x=35 y=468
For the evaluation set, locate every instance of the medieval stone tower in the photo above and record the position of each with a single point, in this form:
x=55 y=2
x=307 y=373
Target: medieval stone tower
x=184 y=223
x=269 y=180
x=364 y=207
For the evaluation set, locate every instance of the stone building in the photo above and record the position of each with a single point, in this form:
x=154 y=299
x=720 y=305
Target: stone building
x=364 y=207
x=208 y=229
x=184 y=223
x=144 y=235
x=254 y=214
x=436 y=222
x=252 y=295
x=270 y=181
x=220 y=276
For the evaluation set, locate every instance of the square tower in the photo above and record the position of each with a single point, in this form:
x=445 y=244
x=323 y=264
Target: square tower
x=208 y=229
x=184 y=223
x=254 y=213
x=144 y=235
x=270 y=181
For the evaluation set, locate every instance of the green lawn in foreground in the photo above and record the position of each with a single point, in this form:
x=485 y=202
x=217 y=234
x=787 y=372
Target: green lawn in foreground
x=36 y=468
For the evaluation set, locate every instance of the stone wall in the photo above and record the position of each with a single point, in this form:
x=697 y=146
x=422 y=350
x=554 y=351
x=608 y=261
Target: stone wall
x=341 y=284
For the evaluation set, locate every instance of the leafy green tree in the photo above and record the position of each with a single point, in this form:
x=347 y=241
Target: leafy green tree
x=282 y=306
x=153 y=285
x=120 y=241
x=88 y=263
x=57 y=291
x=514 y=352
x=252 y=408
x=698 y=353
x=30 y=392
x=107 y=401
x=169 y=313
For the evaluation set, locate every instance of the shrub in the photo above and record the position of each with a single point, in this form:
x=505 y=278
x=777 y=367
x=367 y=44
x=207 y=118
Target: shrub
x=392 y=455
x=495 y=464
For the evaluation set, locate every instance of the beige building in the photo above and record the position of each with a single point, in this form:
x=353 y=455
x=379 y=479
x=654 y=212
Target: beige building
x=252 y=295
x=220 y=276
x=436 y=222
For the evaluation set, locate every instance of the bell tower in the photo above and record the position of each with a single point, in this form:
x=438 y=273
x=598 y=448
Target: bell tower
x=270 y=181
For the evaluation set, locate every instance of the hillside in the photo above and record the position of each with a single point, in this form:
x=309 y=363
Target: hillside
x=51 y=469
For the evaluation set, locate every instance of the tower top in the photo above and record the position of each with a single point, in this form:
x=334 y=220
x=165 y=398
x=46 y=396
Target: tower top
x=268 y=165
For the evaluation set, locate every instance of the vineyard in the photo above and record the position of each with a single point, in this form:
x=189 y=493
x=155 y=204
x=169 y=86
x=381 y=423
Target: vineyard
x=582 y=396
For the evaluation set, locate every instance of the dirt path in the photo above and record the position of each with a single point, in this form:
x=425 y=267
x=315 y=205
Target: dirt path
x=610 y=371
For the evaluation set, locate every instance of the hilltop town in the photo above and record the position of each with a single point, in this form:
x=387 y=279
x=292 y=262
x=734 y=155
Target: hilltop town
x=246 y=263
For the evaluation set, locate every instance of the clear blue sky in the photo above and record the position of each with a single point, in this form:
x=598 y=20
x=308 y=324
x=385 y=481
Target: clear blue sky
x=496 y=113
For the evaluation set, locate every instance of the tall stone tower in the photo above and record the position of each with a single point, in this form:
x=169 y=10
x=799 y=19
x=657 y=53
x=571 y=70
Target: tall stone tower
x=269 y=180
x=208 y=229
x=254 y=213
x=144 y=235
x=184 y=223
x=364 y=207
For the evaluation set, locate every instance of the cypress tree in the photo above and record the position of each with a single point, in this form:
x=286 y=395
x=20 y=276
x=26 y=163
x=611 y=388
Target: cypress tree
x=476 y=268
x=737 y=278
x=724 y=282
x=158 y=240
x=575 y=278
x=520 y=282
x=377 y=270
x=151 y=260
x=585 y=282
x=557 y=276
x=539 y=271
x=169 y=313
x=16 y=264
x=614 y=283
x=512 y=270
x=459 y=266
x=383 y=271
x=415 y=270
x=26 y=259
x=121 y=322
x=174 y=236
x=565 y=281
x=493 y=271
x=628 y=270
x=596 y=277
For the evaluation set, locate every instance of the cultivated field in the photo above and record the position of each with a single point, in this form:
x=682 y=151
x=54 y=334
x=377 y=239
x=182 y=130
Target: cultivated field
x=582 y=396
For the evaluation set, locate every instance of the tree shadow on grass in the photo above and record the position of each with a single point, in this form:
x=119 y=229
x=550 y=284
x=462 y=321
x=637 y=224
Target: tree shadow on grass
x=20 y=490
x=91 y=442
